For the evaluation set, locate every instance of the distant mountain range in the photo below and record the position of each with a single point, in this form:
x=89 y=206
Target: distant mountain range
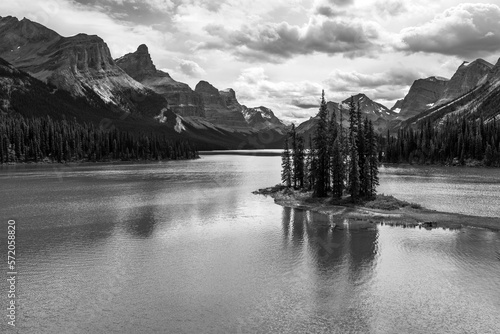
x=43 y=73
x=127 y=89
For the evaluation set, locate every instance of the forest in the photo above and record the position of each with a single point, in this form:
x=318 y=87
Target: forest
x=458 y=141
x=37 y=139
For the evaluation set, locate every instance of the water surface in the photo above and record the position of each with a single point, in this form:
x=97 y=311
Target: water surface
x=184 y=247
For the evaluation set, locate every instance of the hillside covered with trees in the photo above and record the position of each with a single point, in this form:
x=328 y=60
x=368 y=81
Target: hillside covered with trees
x=459 y=141
x=36 y=139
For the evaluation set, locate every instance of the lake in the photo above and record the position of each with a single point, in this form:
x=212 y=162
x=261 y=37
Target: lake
x=184 y=247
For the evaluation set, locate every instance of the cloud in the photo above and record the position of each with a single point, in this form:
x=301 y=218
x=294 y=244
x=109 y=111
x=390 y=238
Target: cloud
x=467 y=30
x=70 y=18
x=391 y=7
x=299 y=114
x=191 y=69
x=276 y=42
x=305 y=102
x=347 y=81
x=255 y=87
x=331 y=8
x=254 y=83
x=384 y=86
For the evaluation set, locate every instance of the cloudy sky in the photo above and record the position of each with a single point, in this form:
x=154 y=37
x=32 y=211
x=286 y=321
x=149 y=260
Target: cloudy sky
x=281 y=53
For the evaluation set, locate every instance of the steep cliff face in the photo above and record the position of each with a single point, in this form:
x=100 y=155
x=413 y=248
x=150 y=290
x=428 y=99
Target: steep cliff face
x=467 y=77
x=423 y=94
x=221 y=107
x=81 y=65
x=181 y=98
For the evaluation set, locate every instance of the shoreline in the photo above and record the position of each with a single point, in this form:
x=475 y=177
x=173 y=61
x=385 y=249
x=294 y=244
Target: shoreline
x=364 y=215
x=87 y=162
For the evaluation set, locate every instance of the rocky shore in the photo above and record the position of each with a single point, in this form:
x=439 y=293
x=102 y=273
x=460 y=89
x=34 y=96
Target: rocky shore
x=383 y=209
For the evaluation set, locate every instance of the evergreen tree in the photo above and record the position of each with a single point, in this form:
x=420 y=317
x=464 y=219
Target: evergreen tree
x=372 y=161
x=286 y=168
x=489 y=155
x=321 y=146
x=299 y=167
x=332 y=136
x=354 y=184
x=295 y=157
x=337 y=170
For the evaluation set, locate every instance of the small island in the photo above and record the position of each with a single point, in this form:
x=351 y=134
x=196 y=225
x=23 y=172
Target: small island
x=338 y=176
x=383 y=209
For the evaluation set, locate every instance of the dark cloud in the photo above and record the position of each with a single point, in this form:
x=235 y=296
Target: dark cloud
x=139 y=12
x=277 y=42
x=305 y=103
x=329 y=11
x=331 y=8
x=467 y=30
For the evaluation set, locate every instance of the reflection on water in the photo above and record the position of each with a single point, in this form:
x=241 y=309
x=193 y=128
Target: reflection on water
x=184 y=247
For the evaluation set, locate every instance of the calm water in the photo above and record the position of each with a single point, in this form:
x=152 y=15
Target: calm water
x=184 y=247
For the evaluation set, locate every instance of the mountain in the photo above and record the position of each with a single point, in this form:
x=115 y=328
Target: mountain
x=181 y=98
x=307 y=129
x=77 y=77
x=423 y=94
x=369 y=108
x=81 y=64
x=481 y=101
x=379 y=114
x=222 y=108
x=263 y=118
x=396 y=108
x=23 y=94
x=467 y=77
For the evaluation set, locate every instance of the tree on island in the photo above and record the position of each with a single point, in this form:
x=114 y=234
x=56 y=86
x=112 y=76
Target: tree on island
x=354 y=185
x=321 y=148
x=286 y=169
x=332 y=156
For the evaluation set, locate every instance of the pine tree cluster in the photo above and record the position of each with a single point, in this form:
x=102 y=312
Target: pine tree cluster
x=456 y=142
x=339 y=161
x=36 y=139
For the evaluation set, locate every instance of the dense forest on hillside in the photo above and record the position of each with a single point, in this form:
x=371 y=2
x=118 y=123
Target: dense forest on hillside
x=37 y=139
x=456 y=142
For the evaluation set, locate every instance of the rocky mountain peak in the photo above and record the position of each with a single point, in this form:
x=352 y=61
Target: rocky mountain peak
x=369 y=108
x=229 y=92
x=204 y=87
x=181 y=98
x=142 y=49
x=263 y=118
x=138 y=64
x=466 y=78
x=229 y=96
x=423 y=94
x=19 y=34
